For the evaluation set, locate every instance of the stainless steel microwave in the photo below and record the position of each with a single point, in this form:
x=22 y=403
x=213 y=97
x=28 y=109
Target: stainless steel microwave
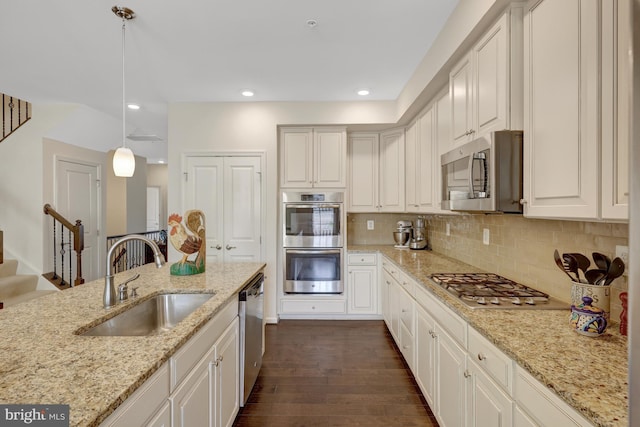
x=484 y=175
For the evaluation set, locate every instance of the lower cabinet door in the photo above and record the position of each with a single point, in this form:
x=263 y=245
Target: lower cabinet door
x=227 y=377
x=191 y=402
x=487 y=404
x=426 y=356
x=451 y=381
x=521 y=419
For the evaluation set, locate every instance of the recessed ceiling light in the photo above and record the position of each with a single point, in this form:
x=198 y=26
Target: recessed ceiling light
x=363 y=92
x=133 y=106
x=247 y=93
x=312 y=23
x=161 y=161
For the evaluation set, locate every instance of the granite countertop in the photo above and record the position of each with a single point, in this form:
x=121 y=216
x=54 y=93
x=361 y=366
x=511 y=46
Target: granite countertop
x=43 y=361
x=590 y=374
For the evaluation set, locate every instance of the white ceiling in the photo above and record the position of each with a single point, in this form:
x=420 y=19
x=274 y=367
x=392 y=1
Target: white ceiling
x=69 y=51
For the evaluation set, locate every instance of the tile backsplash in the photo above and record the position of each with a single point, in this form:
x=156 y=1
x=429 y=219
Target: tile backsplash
x=519 y=248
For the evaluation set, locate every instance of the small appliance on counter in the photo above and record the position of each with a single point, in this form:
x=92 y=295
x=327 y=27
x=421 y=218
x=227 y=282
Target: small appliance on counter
x=419 y=239
x=403 y=234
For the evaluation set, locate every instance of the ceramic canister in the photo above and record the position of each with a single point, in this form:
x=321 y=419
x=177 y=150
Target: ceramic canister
x=587 y=319
x=600 y=296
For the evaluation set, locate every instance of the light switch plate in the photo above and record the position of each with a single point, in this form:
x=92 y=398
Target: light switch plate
x=370 y=224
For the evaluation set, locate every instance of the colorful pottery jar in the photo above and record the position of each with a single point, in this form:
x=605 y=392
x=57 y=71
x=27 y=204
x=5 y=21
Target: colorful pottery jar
x=587 y=319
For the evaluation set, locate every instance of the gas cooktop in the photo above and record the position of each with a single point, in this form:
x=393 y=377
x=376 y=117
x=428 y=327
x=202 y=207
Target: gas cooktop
x=488 y=290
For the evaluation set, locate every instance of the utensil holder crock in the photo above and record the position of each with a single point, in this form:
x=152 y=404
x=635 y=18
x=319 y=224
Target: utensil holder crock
x=600 y=295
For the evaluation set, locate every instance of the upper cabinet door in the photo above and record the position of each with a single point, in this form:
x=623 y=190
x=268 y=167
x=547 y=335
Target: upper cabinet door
x=615 y=109
x=491 y=77
x=363 y=172
x=296 y=152
x=561 y=120
x=392 y=171
x=461 y=95
x=330 y=158
x=410 y=167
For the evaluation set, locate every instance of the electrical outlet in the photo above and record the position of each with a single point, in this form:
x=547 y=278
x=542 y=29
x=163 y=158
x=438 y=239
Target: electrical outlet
x=447 y=229
x=622 y=252
x=485 y=236
x=370 y=224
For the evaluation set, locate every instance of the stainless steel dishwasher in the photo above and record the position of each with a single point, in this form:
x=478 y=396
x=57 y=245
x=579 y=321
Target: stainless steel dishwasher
x=251 y=300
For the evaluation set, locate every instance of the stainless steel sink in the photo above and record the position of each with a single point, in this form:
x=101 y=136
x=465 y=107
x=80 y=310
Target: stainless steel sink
x=151 y=317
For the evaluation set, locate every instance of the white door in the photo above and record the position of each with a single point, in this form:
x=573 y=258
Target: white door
x=153 y=208
x=76 y=198
x=242 y=205
x=228 y=191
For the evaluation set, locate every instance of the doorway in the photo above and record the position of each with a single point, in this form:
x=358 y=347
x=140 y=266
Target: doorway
x=228 y=189
x=153 y=208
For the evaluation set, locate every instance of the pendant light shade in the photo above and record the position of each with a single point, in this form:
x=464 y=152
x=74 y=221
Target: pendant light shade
x=124 y=163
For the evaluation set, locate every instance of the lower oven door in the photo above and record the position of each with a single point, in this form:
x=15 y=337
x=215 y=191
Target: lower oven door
x=313 y=271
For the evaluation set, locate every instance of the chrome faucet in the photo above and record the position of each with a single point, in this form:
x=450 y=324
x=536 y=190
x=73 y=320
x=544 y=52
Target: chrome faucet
x=109 y=296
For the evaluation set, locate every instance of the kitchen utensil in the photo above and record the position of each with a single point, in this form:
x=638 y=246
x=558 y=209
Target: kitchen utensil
x=587 y=319
x=560 y=264
x=594 y=275
x=616 y=268
x=601 y=260
x=583 y=261
x=571 y=264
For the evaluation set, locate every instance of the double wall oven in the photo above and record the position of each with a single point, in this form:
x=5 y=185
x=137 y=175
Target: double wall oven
x=313 y=239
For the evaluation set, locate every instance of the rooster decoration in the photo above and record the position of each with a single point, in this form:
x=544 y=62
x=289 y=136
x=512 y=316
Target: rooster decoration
x=187 y=243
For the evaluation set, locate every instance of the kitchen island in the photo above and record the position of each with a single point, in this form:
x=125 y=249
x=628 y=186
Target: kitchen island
x=43 y=360
x=589 y=374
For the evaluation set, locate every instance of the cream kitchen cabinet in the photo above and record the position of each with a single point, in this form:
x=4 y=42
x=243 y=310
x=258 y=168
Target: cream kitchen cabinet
x=615 y=109
x=376 y=172
x=313 y=157
x=576 y=140
x=485 y=86
x=425 y=371
x=487 y=404
x=420 y=163
x=362 y=284
x=210 y=393
x=561 y=109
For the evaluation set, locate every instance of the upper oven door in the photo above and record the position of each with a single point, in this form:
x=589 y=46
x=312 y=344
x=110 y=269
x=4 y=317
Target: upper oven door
x=312 y=225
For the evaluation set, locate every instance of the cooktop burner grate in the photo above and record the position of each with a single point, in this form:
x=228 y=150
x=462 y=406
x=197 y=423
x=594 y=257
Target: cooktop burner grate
x=490 y=290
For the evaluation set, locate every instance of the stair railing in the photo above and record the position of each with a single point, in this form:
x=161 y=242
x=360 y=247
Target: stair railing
x=74 y=233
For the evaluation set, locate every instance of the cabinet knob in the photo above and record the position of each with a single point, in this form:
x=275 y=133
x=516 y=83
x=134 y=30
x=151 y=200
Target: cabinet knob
x=218 y=247
x=467 y=374
x=481 y=357
x=230 y=247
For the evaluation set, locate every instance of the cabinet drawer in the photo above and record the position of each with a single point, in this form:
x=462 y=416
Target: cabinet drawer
x=542 y=405
x=407 y=283
x=313 y=307
x=186 y=358
x=406 y=311
x=451 y=322
x=362 y=259
x=391 y=268
x=143 y=404
x=495 y=363
x=407 y=347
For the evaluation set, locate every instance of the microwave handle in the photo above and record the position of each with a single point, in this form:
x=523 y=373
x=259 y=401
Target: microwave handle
x=313 y=205
x=472 y=157
x=313 y=251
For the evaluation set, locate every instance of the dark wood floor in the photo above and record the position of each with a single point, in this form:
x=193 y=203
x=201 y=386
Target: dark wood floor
x=333 y=373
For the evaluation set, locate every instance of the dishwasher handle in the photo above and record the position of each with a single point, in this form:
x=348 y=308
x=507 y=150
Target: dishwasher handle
x=254 y=288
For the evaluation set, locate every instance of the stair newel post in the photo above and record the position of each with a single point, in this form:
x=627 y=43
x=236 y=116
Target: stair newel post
x=78 y=246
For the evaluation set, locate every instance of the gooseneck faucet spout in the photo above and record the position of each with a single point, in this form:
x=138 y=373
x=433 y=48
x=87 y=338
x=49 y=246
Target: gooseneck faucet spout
x=109 y=297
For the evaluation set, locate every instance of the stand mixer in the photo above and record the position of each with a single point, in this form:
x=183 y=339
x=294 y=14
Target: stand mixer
x=403 y=234
x=419 y=238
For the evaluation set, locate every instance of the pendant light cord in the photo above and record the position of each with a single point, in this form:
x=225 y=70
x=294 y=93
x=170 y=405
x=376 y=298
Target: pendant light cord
x=124 y=139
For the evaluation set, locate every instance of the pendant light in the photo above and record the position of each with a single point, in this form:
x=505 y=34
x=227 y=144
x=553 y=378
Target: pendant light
x=124 y=163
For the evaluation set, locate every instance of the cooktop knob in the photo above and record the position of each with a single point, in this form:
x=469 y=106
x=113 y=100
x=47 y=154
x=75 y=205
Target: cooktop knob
x=481 y=300
x=516 y=301
x=495 y=301
x=530 y=301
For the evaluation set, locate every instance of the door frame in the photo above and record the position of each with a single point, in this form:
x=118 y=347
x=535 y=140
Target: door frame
x=263 y=185
x=101 y=238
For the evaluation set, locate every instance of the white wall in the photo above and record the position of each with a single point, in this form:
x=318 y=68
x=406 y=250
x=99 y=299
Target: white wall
x=21 y=185
x=233 y=127
x=157 y=177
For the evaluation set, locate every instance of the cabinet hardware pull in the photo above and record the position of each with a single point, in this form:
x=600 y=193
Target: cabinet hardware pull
x=481 y=357
x=523 y=201
x=467 y=374
x=230 y=247
x=218 y=247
